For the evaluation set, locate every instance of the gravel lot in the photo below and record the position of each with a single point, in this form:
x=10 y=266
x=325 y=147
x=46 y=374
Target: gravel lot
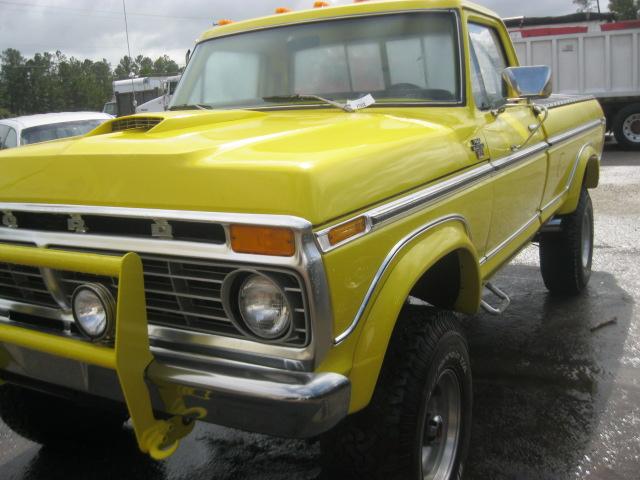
x=552 y=398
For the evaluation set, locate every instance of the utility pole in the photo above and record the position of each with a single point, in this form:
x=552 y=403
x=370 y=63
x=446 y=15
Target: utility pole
x=598 y=2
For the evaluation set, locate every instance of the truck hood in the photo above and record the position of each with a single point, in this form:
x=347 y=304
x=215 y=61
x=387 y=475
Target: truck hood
x=315 y=164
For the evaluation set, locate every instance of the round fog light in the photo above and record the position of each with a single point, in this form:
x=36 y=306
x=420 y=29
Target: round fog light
x=264 y=307
x=94 y=311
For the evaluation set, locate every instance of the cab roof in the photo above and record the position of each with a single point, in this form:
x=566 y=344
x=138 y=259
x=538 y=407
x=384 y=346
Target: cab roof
x=364 y=7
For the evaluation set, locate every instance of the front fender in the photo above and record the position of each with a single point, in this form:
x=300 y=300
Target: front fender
x=587 y=173
x=416 y=255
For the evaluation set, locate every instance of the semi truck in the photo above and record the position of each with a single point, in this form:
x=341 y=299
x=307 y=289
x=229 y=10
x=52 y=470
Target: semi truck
x=144 y=89
x=589 y=54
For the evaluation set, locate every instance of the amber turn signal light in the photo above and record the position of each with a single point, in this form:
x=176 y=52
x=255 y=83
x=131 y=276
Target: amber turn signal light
x=347 y=230
x=321 y=4
x=225 y=21
x=273 y=241
x=282 y=10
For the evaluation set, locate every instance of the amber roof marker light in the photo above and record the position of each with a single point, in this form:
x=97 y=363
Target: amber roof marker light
x=274 y=241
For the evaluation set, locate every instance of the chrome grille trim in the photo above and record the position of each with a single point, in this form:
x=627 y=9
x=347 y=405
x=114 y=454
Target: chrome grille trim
x=306 y=264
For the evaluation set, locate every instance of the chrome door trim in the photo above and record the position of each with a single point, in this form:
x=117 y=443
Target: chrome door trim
x=509 y=239
x=563 y=137
x=387 y=262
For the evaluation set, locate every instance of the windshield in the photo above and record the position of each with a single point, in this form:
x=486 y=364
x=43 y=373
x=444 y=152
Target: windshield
x=396 y=58
x=44 y=133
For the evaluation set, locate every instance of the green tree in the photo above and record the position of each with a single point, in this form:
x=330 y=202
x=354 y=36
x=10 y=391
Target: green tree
x=145 y=66
x=125 y=67
x=624 y=9
x=585 y=5
x=13 y=76
x=165 y=66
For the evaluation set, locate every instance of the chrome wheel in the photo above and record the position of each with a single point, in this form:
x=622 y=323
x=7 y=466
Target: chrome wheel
x=631 y=128
x=586 y=240
x=441 y=428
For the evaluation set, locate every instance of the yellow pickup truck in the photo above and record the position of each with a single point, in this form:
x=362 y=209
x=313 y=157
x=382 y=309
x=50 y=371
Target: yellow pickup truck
x=288 y=249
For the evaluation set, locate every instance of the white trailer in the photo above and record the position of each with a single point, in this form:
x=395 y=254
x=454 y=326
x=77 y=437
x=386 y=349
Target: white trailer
x=589 y=55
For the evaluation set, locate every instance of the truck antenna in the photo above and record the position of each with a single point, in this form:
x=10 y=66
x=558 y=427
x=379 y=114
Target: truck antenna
x=126 y=30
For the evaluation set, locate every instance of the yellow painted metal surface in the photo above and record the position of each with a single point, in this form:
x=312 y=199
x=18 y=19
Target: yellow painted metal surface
x=325 y=166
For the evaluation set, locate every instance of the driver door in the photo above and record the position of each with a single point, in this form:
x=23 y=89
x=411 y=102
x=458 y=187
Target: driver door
x=521 y=172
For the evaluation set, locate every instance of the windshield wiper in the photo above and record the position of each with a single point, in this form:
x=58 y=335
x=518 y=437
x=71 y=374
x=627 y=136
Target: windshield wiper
x=195 y=106
x=351 y=106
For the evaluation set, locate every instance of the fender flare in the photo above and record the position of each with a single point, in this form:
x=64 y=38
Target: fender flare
x=421 y=251
x=586 y=172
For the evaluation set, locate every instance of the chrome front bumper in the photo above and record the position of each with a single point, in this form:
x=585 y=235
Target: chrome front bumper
x=253 y=398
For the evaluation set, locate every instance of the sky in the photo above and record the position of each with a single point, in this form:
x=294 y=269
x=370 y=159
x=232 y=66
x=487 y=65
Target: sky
x=95 y=29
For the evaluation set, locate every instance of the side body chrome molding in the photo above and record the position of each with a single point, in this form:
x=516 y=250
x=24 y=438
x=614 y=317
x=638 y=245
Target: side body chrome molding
x=387 y=262
x=398 y=209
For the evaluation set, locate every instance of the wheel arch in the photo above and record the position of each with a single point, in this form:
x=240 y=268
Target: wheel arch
x=423 y=269
x=587 y=174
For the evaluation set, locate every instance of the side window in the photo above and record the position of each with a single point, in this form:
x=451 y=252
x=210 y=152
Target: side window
x=11 y=140
x=488 y=63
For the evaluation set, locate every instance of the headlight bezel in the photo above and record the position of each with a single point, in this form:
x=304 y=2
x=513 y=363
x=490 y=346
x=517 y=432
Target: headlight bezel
x=108 y=304
x=230 y=293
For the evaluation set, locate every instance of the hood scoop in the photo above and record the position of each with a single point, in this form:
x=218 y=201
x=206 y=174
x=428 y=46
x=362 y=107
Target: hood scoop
x=135 y=123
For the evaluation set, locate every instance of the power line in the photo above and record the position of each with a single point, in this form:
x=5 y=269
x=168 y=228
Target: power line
x=97 y=13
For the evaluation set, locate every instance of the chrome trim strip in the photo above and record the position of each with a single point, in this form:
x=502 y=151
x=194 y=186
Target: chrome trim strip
x=37 y=310
x=567 y=186
x=399 y=208
x=387 y=262
x=556 y=101
x=307 y=263
x=509 y=239
x=519 y=156
x=574 y=132
x=151 y=214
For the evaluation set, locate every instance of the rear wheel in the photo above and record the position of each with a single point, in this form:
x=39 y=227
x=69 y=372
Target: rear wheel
x=566 y=256
x=626 y=127
x=417 y=426
x=54 y=421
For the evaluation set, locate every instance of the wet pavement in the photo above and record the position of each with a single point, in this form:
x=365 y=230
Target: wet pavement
x=553 y=399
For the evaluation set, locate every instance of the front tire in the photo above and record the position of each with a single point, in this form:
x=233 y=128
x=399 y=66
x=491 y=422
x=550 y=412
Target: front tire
x=57 y=422
x=626 y=127
x=418 y=424
x=566 y=256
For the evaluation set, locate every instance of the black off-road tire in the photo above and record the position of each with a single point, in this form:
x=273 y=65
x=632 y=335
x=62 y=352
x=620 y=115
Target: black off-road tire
x=384 y=441
x=566 y=256
x=625 y=127
x=57 y=422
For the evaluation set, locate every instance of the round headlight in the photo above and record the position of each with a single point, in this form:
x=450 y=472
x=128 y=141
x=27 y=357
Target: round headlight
x=263 y=307
x=94 y=311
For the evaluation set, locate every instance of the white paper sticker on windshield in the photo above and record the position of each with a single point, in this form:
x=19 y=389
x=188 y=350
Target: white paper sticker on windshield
x=361 y=103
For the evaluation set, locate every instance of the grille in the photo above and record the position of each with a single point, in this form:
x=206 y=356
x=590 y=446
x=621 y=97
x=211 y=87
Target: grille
x=181 y=293
x=24 y=284
x=187 y=231
x=134 y=123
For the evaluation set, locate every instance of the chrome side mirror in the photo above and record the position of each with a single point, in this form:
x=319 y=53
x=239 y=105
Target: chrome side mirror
x=529 y=83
